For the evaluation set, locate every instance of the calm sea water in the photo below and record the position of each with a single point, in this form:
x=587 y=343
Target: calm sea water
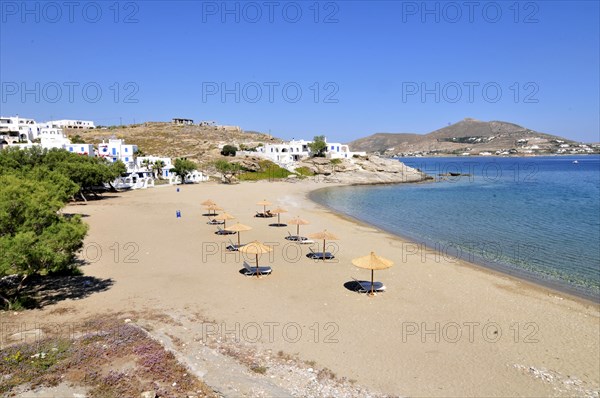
x=538 y=218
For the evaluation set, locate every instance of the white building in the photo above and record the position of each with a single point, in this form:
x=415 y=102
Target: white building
x=53 y=137
x=182 y=121
x=165 y=171
x=116 y=149
x=72 y=124
x=287 y=153
x=15 y=129
x=81 y=149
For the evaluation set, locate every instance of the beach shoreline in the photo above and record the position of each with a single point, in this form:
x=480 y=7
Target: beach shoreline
x=513 y=338
x=477 y=262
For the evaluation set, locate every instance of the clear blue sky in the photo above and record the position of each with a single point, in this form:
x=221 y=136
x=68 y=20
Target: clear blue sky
x=362 y=67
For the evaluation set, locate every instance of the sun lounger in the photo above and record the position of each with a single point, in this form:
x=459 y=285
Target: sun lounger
x=221 y=231
x=233 y=247
x=320 y=255
x=306 y=241
x=215 y=222
x=267 y=214
x=251 y=271
x=365 y=286
x=264 y=215
x=295 y=238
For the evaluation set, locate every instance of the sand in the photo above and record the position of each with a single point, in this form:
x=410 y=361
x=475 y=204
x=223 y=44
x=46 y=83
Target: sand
x=443 y=327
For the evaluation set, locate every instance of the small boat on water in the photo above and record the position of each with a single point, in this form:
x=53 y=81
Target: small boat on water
x=575 y=161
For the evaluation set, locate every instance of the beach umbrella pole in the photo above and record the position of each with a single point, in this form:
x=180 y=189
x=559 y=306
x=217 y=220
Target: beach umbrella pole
x=323 y=249
x=238 y=239
x=372 y=294
x=257 y=273
x=298 y=230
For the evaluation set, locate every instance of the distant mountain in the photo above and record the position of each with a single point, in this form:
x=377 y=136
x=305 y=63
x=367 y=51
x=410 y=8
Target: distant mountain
x=467 y=136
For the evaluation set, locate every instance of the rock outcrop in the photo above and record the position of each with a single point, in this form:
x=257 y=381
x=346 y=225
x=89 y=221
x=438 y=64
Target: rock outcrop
x=363 y=170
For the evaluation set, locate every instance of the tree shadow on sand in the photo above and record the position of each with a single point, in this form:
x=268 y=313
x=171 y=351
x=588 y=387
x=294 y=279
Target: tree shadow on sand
x=41 y=291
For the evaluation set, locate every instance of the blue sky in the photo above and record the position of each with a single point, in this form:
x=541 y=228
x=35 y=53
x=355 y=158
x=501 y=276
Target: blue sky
x=344 y=69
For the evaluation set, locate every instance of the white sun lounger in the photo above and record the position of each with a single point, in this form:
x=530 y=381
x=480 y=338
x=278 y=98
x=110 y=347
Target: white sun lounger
x=251 y=271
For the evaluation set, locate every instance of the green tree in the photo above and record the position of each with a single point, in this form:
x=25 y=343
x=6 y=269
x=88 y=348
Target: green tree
x=318 y=147
x=226 y=169
x=182 y=167
x=157 y=167
x=77 y=139
x=85 y=171
x=34 y=237
x=229 y=150
x=146 y=164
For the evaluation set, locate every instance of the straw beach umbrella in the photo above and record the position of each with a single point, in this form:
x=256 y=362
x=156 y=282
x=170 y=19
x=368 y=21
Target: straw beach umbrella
x=278 y=211
x=208 y=202
x=256 y=248
x=213 y=209
x=264 y=203
x=297 y=221
x=224 y=217
x=325 y=235
x=238 y=228
x=372 y=262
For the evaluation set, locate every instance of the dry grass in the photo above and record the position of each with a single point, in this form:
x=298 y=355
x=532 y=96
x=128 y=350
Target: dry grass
x=199 y=144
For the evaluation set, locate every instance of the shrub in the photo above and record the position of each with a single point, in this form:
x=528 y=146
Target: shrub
x=229 y=150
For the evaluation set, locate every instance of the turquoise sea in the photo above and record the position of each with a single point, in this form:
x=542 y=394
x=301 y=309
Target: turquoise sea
x=537 y=217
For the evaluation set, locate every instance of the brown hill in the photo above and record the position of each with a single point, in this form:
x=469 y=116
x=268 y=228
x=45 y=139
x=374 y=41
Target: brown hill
x=468 y=135
x=199 y=143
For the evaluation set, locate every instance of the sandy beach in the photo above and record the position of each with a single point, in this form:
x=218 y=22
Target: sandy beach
x=443 y=327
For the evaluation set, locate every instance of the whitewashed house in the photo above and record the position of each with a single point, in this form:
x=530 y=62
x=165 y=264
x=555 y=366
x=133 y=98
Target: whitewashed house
x=72 y=124
x=49 y=136
x=53 y=137
x=81 y=149
x=287 y=153
x=15 y=129
x=165 y=171
x=116 y=149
